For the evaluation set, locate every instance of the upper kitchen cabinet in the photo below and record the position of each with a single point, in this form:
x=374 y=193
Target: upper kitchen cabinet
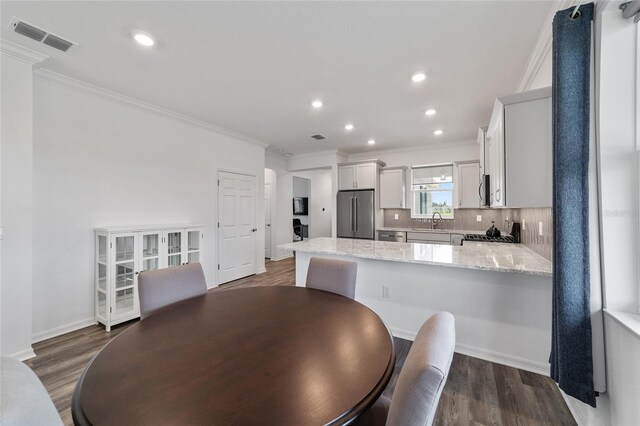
x=520 y=150
x=393 y=188
x=467 y=184
x=484 y=151
x=495 y=140
x=358 y=175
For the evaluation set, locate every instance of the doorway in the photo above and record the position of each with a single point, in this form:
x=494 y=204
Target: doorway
x=301 y=219
x=267 y=220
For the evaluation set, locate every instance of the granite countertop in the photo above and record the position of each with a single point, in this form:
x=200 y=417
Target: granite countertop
x=514 y=258
x=437 y=230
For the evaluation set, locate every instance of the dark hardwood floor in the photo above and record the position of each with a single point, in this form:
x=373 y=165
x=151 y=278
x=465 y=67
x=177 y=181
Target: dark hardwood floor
x=477 y=392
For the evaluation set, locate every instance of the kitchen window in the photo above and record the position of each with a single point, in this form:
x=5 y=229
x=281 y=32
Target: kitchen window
x=432 y=191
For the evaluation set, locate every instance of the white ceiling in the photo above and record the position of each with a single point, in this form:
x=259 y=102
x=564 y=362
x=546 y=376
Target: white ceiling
x=254 y=67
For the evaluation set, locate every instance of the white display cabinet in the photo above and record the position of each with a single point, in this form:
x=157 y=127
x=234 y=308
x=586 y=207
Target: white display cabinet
x=123 y=252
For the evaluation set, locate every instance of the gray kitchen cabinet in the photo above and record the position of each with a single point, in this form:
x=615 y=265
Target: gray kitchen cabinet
x=358 y=175
x=393 y=188
x=520 y=150
x=467 y=184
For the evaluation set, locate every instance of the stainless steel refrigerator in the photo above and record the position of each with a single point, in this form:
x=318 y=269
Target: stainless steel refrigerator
x=356 y=214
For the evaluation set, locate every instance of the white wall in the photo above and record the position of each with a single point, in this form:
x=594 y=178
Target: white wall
x=16 y=209
x=623 y=369
x=270 y=178
x=315 y=160
x=282 y=214
x=429 y=154
x=98 y=162
x=543 y=77
x=301 y=187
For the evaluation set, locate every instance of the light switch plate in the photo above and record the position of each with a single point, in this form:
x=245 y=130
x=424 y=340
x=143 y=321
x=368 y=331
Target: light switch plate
x=395 y=216
x=386 y=293
x=540 y=228
x=478 y=218
x=524 y=225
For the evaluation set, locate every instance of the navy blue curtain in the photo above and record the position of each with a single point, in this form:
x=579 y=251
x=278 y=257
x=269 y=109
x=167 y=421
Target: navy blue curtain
x=571 y=353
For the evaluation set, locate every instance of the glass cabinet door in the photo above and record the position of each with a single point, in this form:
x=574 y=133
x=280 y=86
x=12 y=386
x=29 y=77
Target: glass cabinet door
x=174 y=248
x=150 y=256
x=101 y=275
x=194 y=240
x=124 y=247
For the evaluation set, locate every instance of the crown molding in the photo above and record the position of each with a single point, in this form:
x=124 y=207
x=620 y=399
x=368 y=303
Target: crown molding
x=21 y=53
x=92 y=90
x=438 y=145
x=542 y=45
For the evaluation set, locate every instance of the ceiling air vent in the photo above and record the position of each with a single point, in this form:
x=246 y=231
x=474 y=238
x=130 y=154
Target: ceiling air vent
x=38 y=34
x=57 y=43
x=29 y=31
x=318 y=137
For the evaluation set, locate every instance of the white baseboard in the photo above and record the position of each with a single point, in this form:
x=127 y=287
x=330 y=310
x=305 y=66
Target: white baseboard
x=487 y=355
x=585 y=415
x=573 y=408
x=57 y=331
x=23 y=355
x=276 y=259
x=261 y=271
x=403 y=334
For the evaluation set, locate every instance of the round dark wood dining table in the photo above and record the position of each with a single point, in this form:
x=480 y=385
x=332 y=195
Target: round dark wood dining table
x=250 y=356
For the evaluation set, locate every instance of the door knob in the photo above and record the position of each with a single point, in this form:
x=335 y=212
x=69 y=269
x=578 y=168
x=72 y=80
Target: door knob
x=254 y=229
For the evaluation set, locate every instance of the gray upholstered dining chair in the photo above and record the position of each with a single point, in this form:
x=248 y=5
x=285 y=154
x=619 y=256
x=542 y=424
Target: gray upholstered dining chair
x=421 y=380
x=163 y=287
x=23 y=398
x=336 y=276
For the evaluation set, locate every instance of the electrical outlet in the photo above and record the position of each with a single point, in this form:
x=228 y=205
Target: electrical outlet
x=540 y=228
x=386 y=293
x=479 y=218
x=395 y=216
x=524 y=225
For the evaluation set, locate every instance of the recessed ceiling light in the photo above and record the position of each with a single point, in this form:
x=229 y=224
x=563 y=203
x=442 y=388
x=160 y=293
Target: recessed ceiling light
x=418 y=77
x=316 y=104
x=371 y=141
x=143 y=38
x=348 y=126
x=438 y=132
x=430 y=112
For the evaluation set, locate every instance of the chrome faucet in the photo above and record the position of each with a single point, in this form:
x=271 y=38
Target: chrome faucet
x=433 y=219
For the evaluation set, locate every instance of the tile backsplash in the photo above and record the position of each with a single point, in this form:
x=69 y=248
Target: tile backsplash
x=466 y=219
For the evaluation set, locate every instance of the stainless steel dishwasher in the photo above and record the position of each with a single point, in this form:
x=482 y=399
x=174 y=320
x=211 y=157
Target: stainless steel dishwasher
x=397 y=236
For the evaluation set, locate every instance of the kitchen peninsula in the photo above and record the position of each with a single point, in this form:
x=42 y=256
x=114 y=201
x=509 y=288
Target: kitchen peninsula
x=500 y=294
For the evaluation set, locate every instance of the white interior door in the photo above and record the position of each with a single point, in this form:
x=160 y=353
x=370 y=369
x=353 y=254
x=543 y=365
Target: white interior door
x=267 y=220
x=237 y=232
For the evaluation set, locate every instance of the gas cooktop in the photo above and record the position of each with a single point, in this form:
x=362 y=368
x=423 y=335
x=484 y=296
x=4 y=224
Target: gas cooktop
x=486 y=239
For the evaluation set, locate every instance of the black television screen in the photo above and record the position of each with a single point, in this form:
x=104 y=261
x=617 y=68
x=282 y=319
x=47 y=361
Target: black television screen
x=300 y=206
